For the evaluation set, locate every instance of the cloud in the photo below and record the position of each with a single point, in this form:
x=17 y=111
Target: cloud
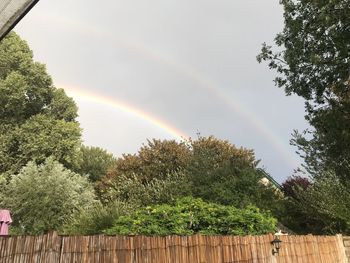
x=191 y=63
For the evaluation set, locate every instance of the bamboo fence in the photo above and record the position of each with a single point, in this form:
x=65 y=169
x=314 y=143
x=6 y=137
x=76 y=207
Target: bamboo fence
x=53 y=248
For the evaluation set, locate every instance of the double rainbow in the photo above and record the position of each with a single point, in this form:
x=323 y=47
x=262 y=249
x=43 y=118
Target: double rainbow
x=204 y=82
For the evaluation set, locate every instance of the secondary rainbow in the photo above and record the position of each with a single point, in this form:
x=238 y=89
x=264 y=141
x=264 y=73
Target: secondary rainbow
x=125 y=107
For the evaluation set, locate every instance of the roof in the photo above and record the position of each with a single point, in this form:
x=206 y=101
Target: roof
x=270 y=178
x=11 y=12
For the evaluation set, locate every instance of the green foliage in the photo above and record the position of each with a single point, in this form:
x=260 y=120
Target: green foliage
x=36 y=120
x=62 y=107
x=157 y=159
x=25 y=87
x=326 y=147
x=328 y=198
x=292 y=214
x=209 y=168
x=313 y=62
x=94 y=162
x=214 y=153
x=228 y=182
x=97 y=218
x=189 y=216
x=222 y=173
x=45 y=197
x=157 y=191
x=317 y=206
x=42 y=136
x=314 y=58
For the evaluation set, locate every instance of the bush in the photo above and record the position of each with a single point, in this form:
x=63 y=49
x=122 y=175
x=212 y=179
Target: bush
x=45 y=197
x=189 y=216
x=97 y=218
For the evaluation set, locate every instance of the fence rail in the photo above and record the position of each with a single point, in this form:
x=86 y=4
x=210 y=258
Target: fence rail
x=53 y=248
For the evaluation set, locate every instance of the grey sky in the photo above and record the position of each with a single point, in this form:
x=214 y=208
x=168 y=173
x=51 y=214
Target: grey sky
x=189 y=63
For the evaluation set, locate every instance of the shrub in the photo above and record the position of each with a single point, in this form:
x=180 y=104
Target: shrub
x=45 y=197
x=97 y=218
x=189 y=216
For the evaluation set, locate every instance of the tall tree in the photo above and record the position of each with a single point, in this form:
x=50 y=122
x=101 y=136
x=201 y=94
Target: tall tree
x=36 y=119
x=313 y=61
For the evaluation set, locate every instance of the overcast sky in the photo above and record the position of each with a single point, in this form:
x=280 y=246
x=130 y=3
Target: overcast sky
x=189 y=64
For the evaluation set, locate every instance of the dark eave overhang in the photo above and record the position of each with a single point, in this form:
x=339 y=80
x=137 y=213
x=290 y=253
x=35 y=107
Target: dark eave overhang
x=11 y=12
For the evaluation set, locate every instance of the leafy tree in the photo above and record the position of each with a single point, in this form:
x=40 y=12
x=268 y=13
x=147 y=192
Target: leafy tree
x=156 y=191
x=25 y=87
x=293 y=213
x=313 y=59
x=313 y=62
x=208 y=168
x=231 y=186
x=42 y=136
x=95 y=162
x=189 y=216
x=36 y=119
x=328 y=198
x=293 y=185
x=215 y=152
x=156 y=159
x=62 y=107
x=45 y=197
x=222 y=173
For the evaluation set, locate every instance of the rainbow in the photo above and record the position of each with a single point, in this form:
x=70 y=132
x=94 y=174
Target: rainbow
x=125 y=107
x=204 y=82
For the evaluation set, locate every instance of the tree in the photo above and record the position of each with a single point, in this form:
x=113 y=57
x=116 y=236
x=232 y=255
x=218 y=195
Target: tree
x=293 y=213
x=208 y=168
x=36 y=119
x=131 y=190
x=313 y=62
x=62 y=107
x=25 y=87
x=46 y=197
x=222 y=173
x=215 y=152
x=188 y=216
x=95 y=162
x=157 y=159
x=326 y=201
x=41 y=136
x=293 y=185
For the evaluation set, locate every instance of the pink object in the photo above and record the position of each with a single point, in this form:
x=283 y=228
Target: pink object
x=5 y=221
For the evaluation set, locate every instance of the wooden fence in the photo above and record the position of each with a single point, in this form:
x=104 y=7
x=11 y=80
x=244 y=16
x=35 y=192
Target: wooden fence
x=52 y=248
